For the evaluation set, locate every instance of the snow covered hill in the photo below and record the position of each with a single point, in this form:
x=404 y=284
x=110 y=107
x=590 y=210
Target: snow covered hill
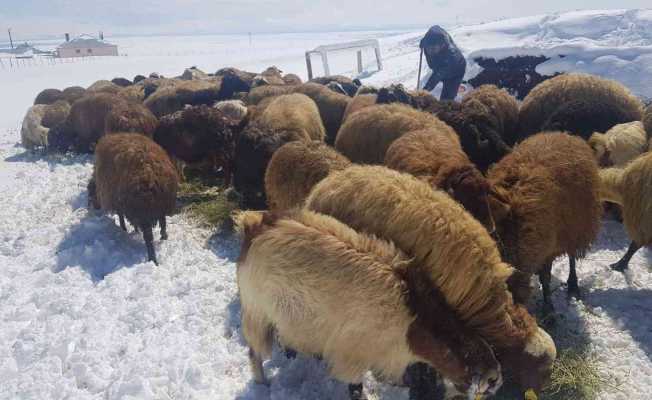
x=83 y=316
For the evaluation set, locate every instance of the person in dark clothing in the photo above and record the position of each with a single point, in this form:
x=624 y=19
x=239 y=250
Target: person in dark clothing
x=446 y=61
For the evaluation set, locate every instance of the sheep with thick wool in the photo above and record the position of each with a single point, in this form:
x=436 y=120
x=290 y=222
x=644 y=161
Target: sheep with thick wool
x=331 y=106
x=502 y=105
x=452 y=253
x=631 y=188
x=577 y=103
x=287 y=118
x=104 y=86
x=48 y=96
x=199 y=134
x=295 y=169
x=38 y=121
x=172 y=98
x=325 y=289
x=367 y=134
x=647 y=121
x=257 y=94
x=436 y=157
x=73 y=93
x=620 y=144
x=97 y=114
x=234 y=110
x=545 y=204
x=478 y=122
x=359 y=102
x=134 y=178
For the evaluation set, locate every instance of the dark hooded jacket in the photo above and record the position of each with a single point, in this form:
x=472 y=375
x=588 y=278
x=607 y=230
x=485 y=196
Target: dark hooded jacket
x=449 y=62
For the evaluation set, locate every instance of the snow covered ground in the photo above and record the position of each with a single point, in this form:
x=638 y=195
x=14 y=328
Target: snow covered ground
x=83 y=316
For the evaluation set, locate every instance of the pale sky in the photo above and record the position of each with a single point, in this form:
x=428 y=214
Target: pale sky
x=38 y=18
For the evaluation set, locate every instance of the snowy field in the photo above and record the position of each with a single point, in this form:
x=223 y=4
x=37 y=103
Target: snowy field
x=83 y=316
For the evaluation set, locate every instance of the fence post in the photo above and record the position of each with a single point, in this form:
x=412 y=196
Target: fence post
x=359 y=61
x=324 y=58
x=378 y=60
x=309 y=65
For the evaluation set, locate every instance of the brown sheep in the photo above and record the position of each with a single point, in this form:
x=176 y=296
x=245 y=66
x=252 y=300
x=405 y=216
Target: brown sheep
x=48 y=96
x=130 y=117
x=358 y=103
x=73 y=93
x=503 y=105
x=647 y=122
x=134 y=177
x=270 y=76
x=257 y=94
x=172 y=98
x=450 y=251
x=549 y=187
x=348 y=85
x=577 y=103
x=199 y=134
x=56 y=113
x=631 y=187
x=292 y=79
x=295 y=112
x=366 y=134
x=331 y=107
x=295 y=169
x=436 y=157
x=122 y=82
x=97 y=114
x=104 y=86
x=134 y=93
x=326 y=290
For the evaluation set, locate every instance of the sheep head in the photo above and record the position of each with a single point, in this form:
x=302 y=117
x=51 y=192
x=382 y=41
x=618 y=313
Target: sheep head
x=598 y=143
x=470 y=188
x=439 y=338
x=394 y=94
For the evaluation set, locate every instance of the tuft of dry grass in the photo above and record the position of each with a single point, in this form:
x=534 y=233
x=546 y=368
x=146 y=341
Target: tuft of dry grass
x=205 y=201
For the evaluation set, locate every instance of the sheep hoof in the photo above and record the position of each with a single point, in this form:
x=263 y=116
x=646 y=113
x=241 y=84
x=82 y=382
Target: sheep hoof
x=356 y=392
x=574 y=292
x=620 y=267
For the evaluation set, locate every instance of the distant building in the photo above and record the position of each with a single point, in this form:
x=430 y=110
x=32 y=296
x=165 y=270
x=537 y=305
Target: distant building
x=86 y=46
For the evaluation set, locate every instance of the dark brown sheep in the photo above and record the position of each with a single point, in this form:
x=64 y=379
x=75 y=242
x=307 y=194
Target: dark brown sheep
x=134 y=178
x=234 y=81
x=122 y=82
x=579 y=104
x=131 y=117
x=139 y=78
x=199 y=134
x=545 y=201
x=502 y=105
x=295 y=169
x=49 y=96
x=73 y=93
x=95 y=115
x=478 y=129
x=172 y=98
x=436 y=156
x=56 y=113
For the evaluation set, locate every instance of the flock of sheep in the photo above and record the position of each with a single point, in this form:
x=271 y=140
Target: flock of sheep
x=399 y=229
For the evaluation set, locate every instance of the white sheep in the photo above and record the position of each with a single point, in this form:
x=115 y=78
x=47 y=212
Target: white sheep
x=620 y=144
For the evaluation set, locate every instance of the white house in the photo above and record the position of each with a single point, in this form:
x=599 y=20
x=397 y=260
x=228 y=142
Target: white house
x=86 y=46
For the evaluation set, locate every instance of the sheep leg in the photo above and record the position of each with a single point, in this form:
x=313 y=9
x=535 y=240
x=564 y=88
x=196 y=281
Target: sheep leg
x=356 y=392
x=149 y=242
x=545 y=276
x=257 y=368
x=122 y=222
x=623 y=263
x=573 y=287
x=163 y=223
